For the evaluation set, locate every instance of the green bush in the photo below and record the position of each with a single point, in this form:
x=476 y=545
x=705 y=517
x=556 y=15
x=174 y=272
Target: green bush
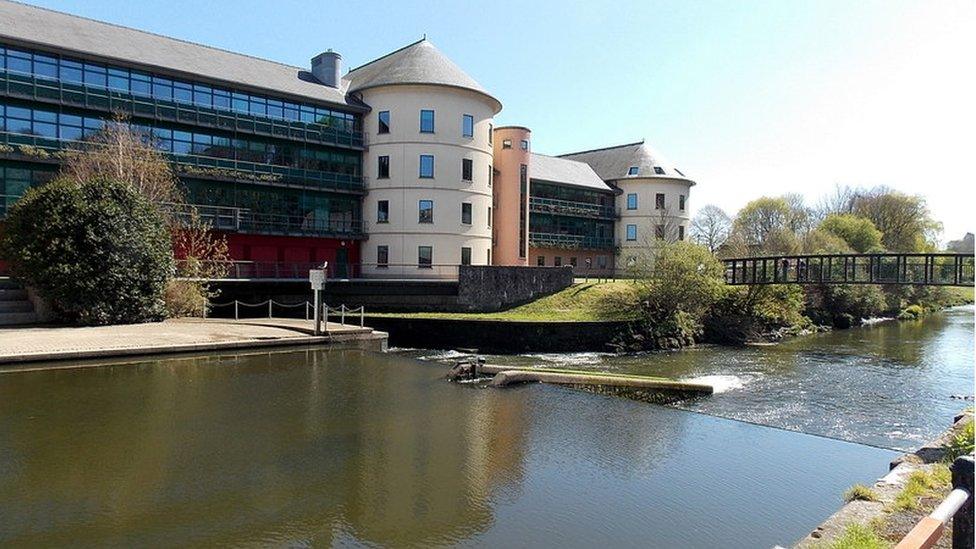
x=845 y=305
x=743 y=314
x=97 y=250
x=912 y=312
x=961 y=443
x=860 y=492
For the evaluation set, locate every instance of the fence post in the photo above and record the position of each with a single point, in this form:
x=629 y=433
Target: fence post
x=306 y=310
x=362 y=315
x=342 y=315
x=205 y=303
x=962 y=521
x=236 y=314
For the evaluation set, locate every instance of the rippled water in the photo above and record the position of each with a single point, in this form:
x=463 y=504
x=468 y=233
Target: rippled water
x=357 y=448
x=890 y=384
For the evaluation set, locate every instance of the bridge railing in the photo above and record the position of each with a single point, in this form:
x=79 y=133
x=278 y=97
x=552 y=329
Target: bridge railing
x=935 y=269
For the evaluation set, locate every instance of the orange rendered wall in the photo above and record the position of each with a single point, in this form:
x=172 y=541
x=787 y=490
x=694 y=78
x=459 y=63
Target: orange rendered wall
x=506 y=195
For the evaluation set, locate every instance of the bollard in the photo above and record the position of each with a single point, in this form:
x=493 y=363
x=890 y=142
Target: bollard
x=962 y=522
x=342 y=315
x=362 y=317
x=269 y=308
x=236 y=315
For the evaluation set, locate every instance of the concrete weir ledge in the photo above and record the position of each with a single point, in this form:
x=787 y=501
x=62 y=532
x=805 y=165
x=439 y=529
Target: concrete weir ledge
x=648 y=388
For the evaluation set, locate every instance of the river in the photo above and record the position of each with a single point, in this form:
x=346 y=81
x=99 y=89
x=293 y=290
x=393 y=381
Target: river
x=357 y=448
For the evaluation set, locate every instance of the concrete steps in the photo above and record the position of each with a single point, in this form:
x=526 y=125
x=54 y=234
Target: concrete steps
x=15 y=308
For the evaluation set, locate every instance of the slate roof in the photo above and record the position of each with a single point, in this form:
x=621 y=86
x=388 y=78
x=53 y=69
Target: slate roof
x=87 y=37
x=612 y=163
x=563 y=171
x=417 y=63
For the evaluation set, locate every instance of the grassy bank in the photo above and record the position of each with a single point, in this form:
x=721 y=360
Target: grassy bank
x=589 y=301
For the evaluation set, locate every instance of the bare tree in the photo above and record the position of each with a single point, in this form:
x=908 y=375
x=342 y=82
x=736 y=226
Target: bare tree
x=120 y=152
x=711 y=227
x=841 y=201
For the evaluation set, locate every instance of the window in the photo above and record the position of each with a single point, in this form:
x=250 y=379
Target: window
x=572 y=261
x=427 y=166
x=426 y=121
x=383 y=211
x=681 y=202
x=659 y=232
x=467 y=126
x=467 y=169
x=491 y=172
x=489 y=216
x=557 y=261
x=631 y=233
x=632 y=170
x=466 y=213
x=425 y=257
x=382 y=257
x=659 y=170
x=681 y=232
x=383 y=118
x=540 y=261
x=659 y=201
x=506 y=143
x=426 y=211
x=465 y=256
x=523 y=174
x=491 y=135
x=524 y=144
x=383 y=167
x=632 y=201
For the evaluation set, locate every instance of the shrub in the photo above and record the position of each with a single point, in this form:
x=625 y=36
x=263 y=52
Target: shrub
x=912 y=312
x=859 y=536
x=858 y=232
x=961 y=442
x=96 y=250
x=844 y=305
x=743 y=314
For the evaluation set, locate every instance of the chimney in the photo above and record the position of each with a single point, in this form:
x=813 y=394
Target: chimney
x=327 y=68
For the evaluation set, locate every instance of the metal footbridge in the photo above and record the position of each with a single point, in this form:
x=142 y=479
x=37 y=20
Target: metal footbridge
x=919 y=269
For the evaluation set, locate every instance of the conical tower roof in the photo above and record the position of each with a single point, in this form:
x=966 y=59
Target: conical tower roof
x=418 y=63
x=613 y=163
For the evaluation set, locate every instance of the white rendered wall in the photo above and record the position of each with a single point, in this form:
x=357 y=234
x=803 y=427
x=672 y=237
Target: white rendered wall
x=404 y=189
x=646 y=217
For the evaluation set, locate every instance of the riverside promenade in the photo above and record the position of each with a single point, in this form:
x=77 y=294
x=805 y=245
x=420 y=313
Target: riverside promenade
x=50 y=343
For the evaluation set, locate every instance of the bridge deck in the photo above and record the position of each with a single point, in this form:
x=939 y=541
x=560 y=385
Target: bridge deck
x=936 y=269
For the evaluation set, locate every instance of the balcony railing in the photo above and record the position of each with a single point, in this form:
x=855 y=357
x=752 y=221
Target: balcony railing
x=243 y=220
x=569 y=241
x=79 y=95
x=44 y=148
x=567 y=207
x=267 y=270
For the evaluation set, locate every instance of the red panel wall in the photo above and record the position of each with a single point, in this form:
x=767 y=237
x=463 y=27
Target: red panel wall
x=289 y=249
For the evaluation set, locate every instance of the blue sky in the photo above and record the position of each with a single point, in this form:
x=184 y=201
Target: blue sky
x=747 y=97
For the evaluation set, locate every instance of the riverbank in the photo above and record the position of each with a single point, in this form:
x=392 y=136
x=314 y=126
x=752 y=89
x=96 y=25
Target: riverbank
x=54 y=343
x=885 y=512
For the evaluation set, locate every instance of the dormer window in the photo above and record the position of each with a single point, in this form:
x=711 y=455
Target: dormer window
x=632 y=170
x=659 y=170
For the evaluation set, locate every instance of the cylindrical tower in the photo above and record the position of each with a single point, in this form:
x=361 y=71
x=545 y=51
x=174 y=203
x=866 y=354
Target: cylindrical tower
x=430 y=169
x=511 y=226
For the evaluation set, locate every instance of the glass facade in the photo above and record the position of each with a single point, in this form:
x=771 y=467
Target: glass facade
x=157 y=86
x=258 y=168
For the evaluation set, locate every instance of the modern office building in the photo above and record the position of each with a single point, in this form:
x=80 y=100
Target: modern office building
x=391 y=169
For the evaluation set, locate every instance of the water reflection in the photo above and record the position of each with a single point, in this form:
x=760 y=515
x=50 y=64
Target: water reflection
x=350 y=448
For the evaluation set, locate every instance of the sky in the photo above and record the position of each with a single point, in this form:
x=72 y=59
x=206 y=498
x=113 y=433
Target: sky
x=747 y=97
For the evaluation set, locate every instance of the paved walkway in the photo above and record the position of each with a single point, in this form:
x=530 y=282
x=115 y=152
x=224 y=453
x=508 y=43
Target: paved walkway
x=38 y=343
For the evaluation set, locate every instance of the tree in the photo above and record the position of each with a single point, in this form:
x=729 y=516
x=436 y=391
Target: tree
x=97 y=251
x=904 y=221
x=683 y=277
x=122 y=154
x=858 y=232
x=800 y=218
x=763 y=225
x=711 y=227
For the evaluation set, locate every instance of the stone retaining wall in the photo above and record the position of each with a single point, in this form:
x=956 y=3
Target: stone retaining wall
x=497 y=336
x=492 y=288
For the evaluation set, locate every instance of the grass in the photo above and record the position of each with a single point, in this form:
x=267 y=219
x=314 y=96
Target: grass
x=922 y=484
x=588 y=301
x=961 y=443
x=860 y=492
x=859 y=536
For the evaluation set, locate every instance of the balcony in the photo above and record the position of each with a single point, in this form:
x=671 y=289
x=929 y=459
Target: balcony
x=566 y=207
x=243 y=220
x=46 y=149
x=570 y=241
x=79 y=95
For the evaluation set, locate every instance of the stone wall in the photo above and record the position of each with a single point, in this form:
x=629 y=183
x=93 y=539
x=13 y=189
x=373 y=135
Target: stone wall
x=498 y=336
x=492 y=288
